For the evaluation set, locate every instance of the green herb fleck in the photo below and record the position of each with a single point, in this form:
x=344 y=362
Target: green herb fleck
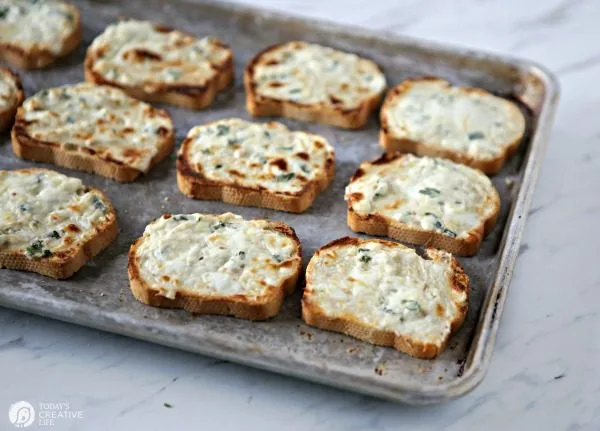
x=47 y=253
x=70 y=119
x=206 y=151
x=295 y=90
x=449 y=232
x=222 y=129
x=218 y=166
x=363 y=250
x=4 y=11
x=305 y=169
x=365 y=258
x=54 y=234
x=437 y=224
x=174 y=73
x=232 y=141
x=285 y=177
x=411 y=305
x=219 y=225
x=430 y=191
x=180 y=218
x=23 y=207
x=43 y=94
x=277 y=258
x=476 y=135
x=242 y=254
x=35 y=248
x=98 y=204
x=267 y=134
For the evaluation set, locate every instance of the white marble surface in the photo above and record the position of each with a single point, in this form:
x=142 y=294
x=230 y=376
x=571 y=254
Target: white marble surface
x=545 y=374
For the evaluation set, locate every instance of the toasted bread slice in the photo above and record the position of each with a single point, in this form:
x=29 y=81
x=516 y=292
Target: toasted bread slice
x=264 y=165
x=34 y=34
x=50 y=223
x=93 y=128
x=386 y=294
x=158 y=64
x=311 y=82
x=430 y=117
x=215 y=264
x=11 y=97
x=423 y=200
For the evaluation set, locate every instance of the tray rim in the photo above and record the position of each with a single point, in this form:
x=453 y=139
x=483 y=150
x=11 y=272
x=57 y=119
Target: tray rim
x=484 y=335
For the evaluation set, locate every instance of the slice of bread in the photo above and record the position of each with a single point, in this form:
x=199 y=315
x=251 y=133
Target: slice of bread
x=423 y=200
x=50 y=223
x=11 y=97
x=158 y=64
x=263 y=165
x=215 y=264
x=93 y=128
x=311 y=82
x=430 y=117
x=34 y=33
x=386 y=294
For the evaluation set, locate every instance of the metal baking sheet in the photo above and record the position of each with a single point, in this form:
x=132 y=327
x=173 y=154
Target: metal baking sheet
x=98 y=296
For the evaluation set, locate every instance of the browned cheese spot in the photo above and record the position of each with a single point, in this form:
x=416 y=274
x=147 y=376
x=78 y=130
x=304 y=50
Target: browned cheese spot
x=280 y=163
x=73 y=228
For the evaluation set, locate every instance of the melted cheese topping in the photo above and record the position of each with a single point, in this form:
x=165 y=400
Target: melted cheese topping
x=36 y=24
x=44 y=212
x=425 y=193
x=473 y=123
x=103 y=120
x=8 y=90
x=312 y=74
x=258 y=155
x=137 y=53
x=387 y=287
x=215 y=256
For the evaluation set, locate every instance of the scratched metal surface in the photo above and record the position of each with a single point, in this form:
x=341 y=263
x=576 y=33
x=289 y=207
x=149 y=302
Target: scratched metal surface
x=98 y=295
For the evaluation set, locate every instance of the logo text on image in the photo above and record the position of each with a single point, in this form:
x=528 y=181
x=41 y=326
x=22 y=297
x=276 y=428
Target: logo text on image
x=21 y=414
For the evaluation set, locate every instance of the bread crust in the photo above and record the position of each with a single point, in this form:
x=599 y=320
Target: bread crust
x=393 y=144
x=237 y=306
x=187 y=96
x=261 y=106
x=65 y=263
x=7 y=116
x=194 y=184
x=39 y=58
x=380 y=225
x=314 y=315
x=83 y=159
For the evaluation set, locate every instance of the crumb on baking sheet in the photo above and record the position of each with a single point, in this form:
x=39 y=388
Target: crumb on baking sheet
x=307 y=335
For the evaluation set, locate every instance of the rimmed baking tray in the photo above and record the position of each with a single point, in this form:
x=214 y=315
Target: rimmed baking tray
x=98 y=296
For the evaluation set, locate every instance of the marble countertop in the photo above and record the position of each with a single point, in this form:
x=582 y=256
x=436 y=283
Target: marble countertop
x=545 y=374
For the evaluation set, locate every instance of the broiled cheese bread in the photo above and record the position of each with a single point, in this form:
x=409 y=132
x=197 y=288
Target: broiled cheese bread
x=264 y=165
x=313 y=83
x=431 y=117
x=34 y=33
x=158 y=64
x=385 y=293
x=50 y=223
x=215 y=264
x=93 y=128
x=423 y=200
x=11 y=97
